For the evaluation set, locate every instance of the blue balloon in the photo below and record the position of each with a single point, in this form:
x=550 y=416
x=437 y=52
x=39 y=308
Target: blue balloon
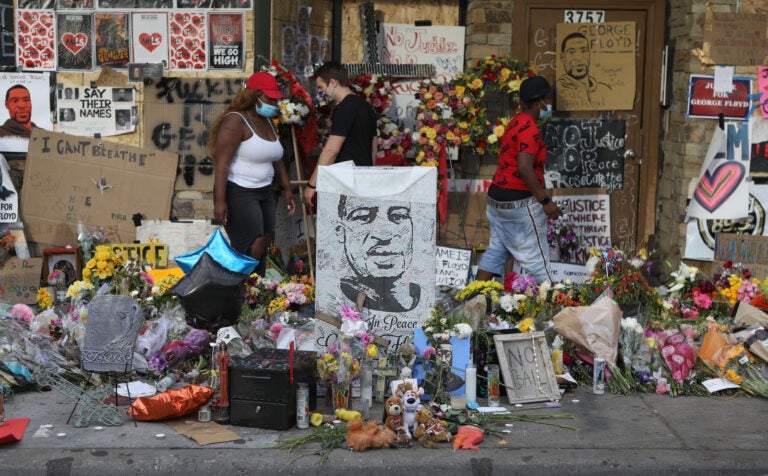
x=222 y=252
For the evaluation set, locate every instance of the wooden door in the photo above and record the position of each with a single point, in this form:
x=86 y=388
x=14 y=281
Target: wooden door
x=535 y=25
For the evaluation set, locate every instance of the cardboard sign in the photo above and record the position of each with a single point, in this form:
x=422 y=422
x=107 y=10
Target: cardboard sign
x=748 y=250
x=19 y=280
x=452 y=266
x=596 y=66
x=703 y=101
x=179 y=237
x=152 y=254
x=70 y=179
x=527 y=367
x=585 y=153
x=737 y=39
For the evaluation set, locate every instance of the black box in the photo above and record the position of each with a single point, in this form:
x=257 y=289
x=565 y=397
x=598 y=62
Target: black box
x=261 y=393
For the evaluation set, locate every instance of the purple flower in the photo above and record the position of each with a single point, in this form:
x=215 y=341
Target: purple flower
x=350 y=313
x=157 y=363
x=429 y=352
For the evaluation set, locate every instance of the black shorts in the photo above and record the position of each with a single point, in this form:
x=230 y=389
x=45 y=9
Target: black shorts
x=250 y=214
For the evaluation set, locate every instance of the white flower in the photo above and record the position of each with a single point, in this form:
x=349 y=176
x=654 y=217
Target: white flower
x=559 y=286
x=592 y=263
x=507 y=303
x=637 y=262
x=463 y=330
x=134 y=293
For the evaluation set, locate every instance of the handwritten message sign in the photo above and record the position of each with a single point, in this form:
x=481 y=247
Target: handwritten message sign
x=19 y=280
x=526 y=367
x=596 y=66
x=89 y=111
x=590 y=215
x=69 y=179
x=442 y=46
x=452 y=266
x=178 y=116
x=585 y=153
x=735 y=38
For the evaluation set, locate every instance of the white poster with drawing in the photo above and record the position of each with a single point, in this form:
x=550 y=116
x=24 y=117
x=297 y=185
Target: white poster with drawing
x=442 y=46
x=27 y=103
x=376 y=236
x=90 y=111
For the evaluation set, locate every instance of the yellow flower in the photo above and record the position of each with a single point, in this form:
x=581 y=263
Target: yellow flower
x=431 y=133
x=449 y=136
x=44 y=299
x=505 y=72
x=498 y=131
x=476 y=83
x=514 y=85
x=460 y=91
x=372 y=351
x=733 y=376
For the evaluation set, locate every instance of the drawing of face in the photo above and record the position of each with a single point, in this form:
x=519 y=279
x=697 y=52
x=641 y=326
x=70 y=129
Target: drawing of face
x=378 y=240
x=19 y=105
x=576 y=56
x=445 y=354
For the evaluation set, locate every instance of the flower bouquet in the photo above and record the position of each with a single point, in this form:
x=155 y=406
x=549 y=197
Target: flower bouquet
x=563 y=239
x=393 y=141
x=375 y=90
x=502 y=72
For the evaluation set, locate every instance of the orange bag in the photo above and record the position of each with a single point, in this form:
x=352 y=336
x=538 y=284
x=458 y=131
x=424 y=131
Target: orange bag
x=170 y=404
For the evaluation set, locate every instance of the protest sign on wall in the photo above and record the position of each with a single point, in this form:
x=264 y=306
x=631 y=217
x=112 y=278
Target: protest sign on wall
x=13 y=136
x=442 y=46
x=583 y=153
x=226 y=45
x=596 y=66
x=90 y=111
x=150 y=37
x=701 y=234
x=35 y=40
x=589 y=212
x=187 y=39
x=704 y=101
x=74 y=40
x=452 y=266
x=758 y=141
x=9 y=198
x=70 y=180
x=734 y=38
x=112 y=39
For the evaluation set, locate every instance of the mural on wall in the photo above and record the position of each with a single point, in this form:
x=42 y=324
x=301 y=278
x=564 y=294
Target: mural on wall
x=595 y=66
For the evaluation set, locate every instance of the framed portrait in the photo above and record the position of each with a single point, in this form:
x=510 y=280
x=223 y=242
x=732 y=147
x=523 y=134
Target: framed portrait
x=66 y=260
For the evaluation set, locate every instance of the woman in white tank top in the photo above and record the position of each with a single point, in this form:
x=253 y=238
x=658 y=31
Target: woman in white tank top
x=247 y=155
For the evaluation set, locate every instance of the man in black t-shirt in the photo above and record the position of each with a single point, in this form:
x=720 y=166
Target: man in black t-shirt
x=353 y=124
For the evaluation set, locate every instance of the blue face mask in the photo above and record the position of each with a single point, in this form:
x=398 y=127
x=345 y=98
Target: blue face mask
x=546 y=113
x=267 y=110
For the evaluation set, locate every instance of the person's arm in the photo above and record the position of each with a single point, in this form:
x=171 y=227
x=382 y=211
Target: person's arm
x=285 y=184
x=327 y=157
x=227 y=141
x=374 y=149
x=528 y=175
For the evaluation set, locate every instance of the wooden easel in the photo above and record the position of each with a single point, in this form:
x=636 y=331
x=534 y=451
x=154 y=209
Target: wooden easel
x=302 y=183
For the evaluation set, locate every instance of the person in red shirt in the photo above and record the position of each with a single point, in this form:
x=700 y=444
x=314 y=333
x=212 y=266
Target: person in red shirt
x=518 y=203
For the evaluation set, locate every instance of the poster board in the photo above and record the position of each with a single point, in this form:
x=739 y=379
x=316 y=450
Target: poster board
x=704 y=102
x=376 y=235
x=526 y=367
x=441 y=46
x=70 y=180
x=90 y=111
x=20 y=280
x=38 y=87
x=179 y=237
x=585 y=153
x=737 y=39
x=589 y=210
x=748 y=250
x=452 y=266
x=595 y=66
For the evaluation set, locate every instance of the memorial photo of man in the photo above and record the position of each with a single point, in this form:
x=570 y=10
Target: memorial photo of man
x=18 y=102
x=577 y=84
x=377 y=238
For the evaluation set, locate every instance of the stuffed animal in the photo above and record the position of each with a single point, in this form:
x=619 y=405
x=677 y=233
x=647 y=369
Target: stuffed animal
x=430 y=430
x=467 y=438
x=361 y=436
x=393 y=413
x=411 y=401
x=401 y=388
x=407 y=359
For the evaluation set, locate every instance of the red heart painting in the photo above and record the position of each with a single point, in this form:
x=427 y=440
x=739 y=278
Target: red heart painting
x=227 y=39
x=74 y=43
x=150 y=42
x=715 y=187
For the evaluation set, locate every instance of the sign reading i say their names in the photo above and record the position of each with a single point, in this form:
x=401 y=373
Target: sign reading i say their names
x=452 y=266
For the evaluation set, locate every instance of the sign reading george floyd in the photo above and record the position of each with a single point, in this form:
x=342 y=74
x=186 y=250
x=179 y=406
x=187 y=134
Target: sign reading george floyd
x=70 y=180
x=452 y=266
x=704 y=101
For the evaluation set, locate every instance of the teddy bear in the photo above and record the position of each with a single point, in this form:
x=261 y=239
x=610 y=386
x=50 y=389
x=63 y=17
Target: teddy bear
x=361 y=436
x=430 y=430
x=393 y=413
x=411 y=401
x=407 y=360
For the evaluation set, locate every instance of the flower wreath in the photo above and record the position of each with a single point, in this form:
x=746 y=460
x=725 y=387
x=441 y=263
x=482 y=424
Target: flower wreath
x=451 y=112
x=297 y=105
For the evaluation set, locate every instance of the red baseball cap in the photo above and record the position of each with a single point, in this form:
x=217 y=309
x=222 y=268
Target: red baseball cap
x=266 y=83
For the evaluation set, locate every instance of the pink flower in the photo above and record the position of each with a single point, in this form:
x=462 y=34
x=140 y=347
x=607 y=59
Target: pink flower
x=704 y=301
x=22 y=312
x=662 y=388
x=275 y=329
x=690 y=313
x=350 y=313
x=366 y=338
x=429 y=352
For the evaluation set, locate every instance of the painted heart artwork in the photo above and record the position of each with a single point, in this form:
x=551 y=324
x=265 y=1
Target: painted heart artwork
x=150 y=41
x=716 y=186
x=187 y=42
x=36 y=29
x=74 y=42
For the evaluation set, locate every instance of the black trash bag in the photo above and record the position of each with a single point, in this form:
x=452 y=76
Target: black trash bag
x=211 y=295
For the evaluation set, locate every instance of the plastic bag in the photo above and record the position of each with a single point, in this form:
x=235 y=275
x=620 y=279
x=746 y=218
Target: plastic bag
x=211 y=294
x=153 y=339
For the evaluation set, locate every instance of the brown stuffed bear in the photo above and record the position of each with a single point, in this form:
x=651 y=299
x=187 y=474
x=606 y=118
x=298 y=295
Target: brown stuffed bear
x=362 y=436
x=430 y=430
x=393 y=413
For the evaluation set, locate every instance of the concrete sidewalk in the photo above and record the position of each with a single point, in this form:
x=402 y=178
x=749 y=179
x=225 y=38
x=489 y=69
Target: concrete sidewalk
x=617 y=435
